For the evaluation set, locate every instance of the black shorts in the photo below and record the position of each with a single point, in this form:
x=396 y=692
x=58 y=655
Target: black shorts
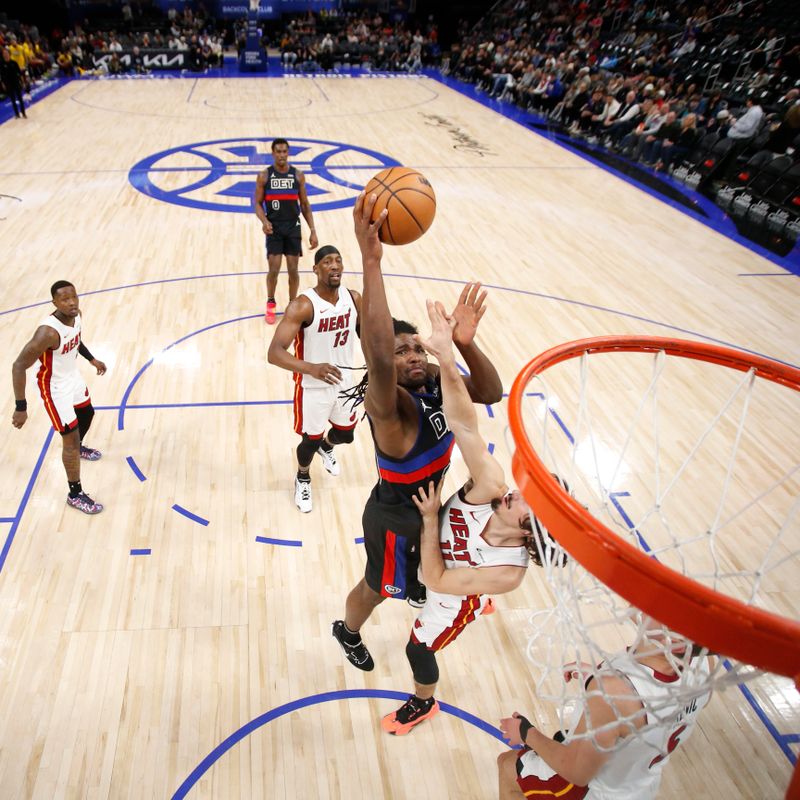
x=392 y=558
x=285 y=240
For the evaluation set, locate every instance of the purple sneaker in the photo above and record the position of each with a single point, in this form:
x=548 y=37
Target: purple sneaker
x=90 y=454
x=84 y=503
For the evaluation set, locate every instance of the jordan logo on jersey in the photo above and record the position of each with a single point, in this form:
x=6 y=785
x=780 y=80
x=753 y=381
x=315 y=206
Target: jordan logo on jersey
x=460 y=530
x=71 y=344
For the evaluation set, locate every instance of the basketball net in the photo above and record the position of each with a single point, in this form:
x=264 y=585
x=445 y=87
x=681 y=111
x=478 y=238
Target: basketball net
x=690 y=469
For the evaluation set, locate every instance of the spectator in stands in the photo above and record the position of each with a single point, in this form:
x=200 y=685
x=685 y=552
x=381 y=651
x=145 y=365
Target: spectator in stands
x=137 y=62
x=625 y=120
x=646 y=131
x=11 y=79
x=668 y=131
x=675 y=148
x=786 y=133
x=64 y=61
x=744 y=128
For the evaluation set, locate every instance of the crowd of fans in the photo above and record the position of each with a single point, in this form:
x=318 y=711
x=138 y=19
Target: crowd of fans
x=331 y=40
x=640 y=79
x=636 y=78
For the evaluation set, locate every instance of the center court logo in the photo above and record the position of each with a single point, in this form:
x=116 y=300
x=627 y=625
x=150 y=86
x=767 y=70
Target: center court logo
x=220 y=175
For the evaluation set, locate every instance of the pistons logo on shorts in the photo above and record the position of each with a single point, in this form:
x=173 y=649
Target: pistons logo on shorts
x=389 y=589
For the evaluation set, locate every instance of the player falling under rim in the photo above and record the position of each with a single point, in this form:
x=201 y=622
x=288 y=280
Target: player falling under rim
x=323 y=324
x=279 y=198
x=56 y=345
x=479 y=544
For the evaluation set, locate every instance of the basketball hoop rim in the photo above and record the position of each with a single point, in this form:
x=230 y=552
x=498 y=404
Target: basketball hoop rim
x=724 y=625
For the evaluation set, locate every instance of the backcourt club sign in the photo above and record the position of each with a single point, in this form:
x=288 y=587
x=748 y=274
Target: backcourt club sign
x=220 y=175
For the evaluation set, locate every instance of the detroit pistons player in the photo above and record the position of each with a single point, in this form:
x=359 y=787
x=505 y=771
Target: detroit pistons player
x=323 y=324
x=643 y=685
x=279 y=198
x=56 y=345
x=479 y=544
x=413 y=445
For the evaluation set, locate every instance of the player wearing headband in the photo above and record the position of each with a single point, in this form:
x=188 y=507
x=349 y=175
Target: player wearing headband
x=323 y=323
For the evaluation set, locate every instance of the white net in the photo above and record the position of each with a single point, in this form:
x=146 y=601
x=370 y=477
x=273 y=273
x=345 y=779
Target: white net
x=691 y=463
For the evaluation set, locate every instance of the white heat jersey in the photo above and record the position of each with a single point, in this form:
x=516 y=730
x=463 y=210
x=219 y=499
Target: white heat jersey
x=461 y=539
x=634 y=771
x=329 y=338
x=461 y=528
x=59 y=367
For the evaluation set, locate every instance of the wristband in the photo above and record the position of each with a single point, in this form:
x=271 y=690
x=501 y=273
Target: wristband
x=21 y=405
x=84 y=351
x=524 y=727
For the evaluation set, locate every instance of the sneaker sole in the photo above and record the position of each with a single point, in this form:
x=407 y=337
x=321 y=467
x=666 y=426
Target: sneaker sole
x=397 y=729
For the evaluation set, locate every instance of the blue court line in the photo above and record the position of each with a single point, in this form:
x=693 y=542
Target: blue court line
x=7 y=519
x=313 y=700
x=141 y=551
x=210 y=404
x=25 y=497
x=628 y=521
x=287 y=542
x=129 y=389
x=780 y=738
x=359 y=540
x=496 y=287
x=490 y=448
x=767 y=275
x=134 y=467
x=189 y=515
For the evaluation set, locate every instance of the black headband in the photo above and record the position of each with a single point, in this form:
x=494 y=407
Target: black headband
x=325 y=251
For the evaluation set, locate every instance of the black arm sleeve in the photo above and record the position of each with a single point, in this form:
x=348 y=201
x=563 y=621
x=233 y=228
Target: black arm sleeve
x=84 y=351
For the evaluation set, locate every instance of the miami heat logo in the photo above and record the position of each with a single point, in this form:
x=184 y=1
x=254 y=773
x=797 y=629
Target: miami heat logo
x=221 y=175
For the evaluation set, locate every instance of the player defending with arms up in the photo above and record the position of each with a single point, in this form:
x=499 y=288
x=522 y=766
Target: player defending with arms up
x=323 y=323
x=479 y=544
x=412 y=441
x=56 y=345
x=279 y=198
x=638 y=687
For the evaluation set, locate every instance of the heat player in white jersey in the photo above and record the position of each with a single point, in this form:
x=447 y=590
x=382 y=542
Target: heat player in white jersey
x=478 y=544
x=323 y=324
x=642 y=704
x=56 y=345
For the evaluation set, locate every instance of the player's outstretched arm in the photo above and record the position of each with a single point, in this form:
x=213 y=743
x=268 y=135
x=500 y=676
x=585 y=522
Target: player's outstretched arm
x=579 y=760
x=45 y=338
x=377 y=331
x=487 y=476
x=299 y=312
x=483 y=383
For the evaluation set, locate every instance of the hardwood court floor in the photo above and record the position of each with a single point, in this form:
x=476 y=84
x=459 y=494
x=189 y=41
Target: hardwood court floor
x=120 y=674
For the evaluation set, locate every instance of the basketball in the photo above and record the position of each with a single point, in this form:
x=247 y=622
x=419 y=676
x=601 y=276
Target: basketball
x=409 y=197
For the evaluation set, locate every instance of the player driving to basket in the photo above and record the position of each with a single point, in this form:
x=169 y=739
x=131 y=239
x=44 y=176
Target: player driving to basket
x=479 y=544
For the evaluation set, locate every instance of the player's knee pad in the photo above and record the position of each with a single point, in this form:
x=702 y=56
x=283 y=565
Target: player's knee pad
x=423 y=663
x=84 y=416
x=339 y=436
x=306 y=450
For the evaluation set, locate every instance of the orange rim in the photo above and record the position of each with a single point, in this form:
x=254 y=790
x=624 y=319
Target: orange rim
x=722 y=624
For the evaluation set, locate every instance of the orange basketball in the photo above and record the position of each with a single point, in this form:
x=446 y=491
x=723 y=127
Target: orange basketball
x=410 y=200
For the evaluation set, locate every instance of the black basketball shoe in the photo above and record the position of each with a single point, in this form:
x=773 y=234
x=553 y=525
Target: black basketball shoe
x=416 y=595
x=356 y=654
